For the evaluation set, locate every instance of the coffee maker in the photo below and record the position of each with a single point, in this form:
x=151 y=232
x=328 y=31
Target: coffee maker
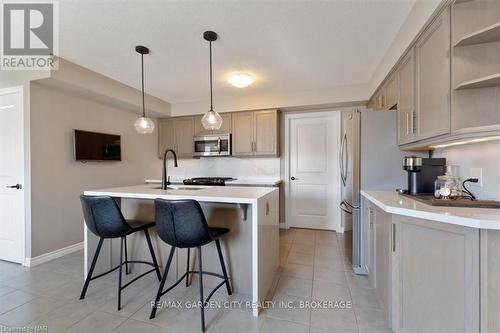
x=422 y=172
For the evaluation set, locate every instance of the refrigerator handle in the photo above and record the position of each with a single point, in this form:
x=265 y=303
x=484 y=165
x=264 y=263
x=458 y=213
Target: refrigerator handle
x=351 y=206
x=346 y=158
x=341 y=160
x=345 y=208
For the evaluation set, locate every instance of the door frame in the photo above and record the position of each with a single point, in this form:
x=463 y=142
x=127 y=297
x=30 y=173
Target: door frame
x=286 y=156
x=19 y=91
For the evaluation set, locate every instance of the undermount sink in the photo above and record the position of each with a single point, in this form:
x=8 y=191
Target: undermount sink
x=180 y=188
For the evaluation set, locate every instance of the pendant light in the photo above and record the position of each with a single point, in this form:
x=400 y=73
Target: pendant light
x=211 y=120
x=143 y=125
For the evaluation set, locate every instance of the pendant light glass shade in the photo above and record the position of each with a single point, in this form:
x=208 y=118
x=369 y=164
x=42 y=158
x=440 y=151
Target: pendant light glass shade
x=211 y=120
x=144 y=125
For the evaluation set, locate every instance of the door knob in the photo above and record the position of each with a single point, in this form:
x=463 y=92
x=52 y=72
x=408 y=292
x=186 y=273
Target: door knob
x=17 y=186
x=293 y=178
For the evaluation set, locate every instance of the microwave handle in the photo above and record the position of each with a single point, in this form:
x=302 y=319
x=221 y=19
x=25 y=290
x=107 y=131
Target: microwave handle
x=218 y=145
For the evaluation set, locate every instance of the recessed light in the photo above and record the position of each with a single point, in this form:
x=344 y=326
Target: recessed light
x=241 y=80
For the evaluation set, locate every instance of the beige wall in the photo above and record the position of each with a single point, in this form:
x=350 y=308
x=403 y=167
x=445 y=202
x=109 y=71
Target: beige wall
x=485 y=155
x=57 y=180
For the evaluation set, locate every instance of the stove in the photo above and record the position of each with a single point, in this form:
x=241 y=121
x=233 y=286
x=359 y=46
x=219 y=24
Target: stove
x=211 y=181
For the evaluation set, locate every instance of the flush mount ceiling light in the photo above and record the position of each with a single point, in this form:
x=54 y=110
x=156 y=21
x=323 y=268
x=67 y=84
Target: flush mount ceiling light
x=211 y=120
x=241 y=80
x=143 y=125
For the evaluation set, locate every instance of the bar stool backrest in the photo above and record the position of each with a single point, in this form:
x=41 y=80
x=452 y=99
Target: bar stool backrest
x=103 y=216
x=181 y=223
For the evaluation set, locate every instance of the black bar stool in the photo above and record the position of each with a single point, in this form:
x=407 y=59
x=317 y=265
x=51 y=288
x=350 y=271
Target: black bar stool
x=104 y=218
x=182 y=224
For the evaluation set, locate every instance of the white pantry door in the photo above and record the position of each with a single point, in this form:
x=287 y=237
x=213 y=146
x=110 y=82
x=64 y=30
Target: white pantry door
x=11 y=175
x=314 y=171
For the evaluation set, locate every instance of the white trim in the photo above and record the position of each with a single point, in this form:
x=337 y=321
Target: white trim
x=30 y=262
x=286 y=156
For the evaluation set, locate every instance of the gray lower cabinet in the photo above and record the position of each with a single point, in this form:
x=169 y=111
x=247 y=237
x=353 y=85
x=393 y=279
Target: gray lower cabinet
x=426 y=274
x=383 y=262
x=437 y=277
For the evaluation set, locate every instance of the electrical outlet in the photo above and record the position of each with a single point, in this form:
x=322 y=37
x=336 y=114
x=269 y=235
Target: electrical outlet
x=476 y=173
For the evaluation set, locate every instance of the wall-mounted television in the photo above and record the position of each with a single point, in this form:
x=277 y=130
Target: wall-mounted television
x=92 y=146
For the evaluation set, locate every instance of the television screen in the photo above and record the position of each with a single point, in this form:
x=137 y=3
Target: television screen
x=91 y=146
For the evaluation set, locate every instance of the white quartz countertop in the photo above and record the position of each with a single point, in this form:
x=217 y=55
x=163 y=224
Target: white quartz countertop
x=392 y=202
x=243 y=181
x=221 y=194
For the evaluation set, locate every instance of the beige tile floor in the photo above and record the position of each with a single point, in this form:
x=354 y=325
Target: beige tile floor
x=314 y=268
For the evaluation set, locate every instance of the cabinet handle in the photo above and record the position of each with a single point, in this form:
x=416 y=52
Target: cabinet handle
x=413 y=122
x=393 y=237
x=407 y=124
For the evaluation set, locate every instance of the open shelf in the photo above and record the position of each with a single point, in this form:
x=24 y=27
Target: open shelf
x=487 y=35
x=482 y=82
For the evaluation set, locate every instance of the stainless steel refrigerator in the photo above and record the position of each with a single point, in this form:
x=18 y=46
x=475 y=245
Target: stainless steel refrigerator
x=370 y=159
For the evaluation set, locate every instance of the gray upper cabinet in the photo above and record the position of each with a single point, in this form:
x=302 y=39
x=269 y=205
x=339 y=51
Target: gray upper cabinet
x=390 y=92
x=176 y=134
x=183 y=134
x=226 y=124
x=266 y=132
x=447 y=83
x=198 y=127
x=165 y=135
x=406 y=101
x=433 y=78
x=243 y=131
x=255 y=133
x=225 y=128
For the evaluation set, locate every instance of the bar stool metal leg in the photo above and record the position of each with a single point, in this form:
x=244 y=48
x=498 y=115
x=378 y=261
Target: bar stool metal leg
x=187 y=269
x=223 y=266
x=91 y=270
x=201 y=290
x=153 y=257
x=127 y=271
x=120 y=274
x=162 y=283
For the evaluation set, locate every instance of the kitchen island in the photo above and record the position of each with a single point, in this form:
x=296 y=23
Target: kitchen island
x=251 y=248
x=433 y=268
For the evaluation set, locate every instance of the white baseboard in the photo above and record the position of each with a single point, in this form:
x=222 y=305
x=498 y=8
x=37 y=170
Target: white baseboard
x=30 y=262
x=283 y=225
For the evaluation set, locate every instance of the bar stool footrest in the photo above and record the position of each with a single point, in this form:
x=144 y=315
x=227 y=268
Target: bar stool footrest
x=197 y=272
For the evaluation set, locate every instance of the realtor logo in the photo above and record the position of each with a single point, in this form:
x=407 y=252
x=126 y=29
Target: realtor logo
x=29 y=36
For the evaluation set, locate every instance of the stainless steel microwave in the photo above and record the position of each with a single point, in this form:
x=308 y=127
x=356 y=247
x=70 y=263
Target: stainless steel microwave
x=212 y=145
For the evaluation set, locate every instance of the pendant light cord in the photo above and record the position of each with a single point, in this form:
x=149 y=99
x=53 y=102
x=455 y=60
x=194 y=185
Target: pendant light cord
x=211 y=93
x=142 y=80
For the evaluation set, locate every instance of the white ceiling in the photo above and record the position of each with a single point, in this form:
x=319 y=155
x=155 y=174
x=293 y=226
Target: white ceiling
x=288 y=45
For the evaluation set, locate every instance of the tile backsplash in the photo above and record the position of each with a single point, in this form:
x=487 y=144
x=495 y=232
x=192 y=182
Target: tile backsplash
x=262 y=167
